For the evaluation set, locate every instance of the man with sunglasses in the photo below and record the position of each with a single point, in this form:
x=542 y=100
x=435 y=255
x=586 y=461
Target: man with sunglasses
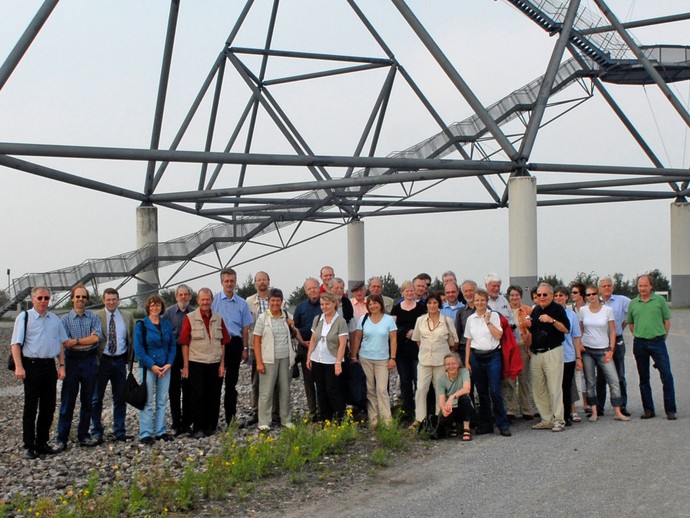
x=38 y=338
x=550 y=323
x=81 y=368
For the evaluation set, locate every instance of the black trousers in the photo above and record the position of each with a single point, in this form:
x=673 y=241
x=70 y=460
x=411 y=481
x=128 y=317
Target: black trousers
x=203 y=396
x=233 y=360
x=40 y=390
x=568 y=375
x=462 y=413
x=177 y=394
x=329 y=391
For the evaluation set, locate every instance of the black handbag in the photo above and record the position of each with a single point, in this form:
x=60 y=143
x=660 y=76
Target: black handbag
x=135 y=392
x=10 y=360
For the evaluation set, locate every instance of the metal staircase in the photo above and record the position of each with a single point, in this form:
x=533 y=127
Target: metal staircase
x=603 y=54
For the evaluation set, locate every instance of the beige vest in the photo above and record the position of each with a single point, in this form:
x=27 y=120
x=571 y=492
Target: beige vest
x=202 y=347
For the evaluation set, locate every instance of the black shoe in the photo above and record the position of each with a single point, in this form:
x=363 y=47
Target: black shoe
x=60 y=446
x=569 y=422
x=527 y=417
x=30 y=453
x=124 y=438
x=46 y=449
x=506 y=433
x=625 y=412
x=671 y=416
x=511 y=417
x=199 y=434
x=483 y=431
x=89 y=442
x=148 y=441
x=647 y=415
x=165 y=437
x=98 y=439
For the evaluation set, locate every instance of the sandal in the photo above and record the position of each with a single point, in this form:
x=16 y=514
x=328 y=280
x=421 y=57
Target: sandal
x=466 y=435
x=575 y=417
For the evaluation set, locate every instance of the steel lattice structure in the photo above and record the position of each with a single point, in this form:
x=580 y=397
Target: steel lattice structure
x=248 y=194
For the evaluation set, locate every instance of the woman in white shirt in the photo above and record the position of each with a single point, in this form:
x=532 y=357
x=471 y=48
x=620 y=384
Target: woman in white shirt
x=598 y=342
x=483 y=359
x=325 y=358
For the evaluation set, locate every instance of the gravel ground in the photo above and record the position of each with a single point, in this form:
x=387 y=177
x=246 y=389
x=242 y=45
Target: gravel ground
x=51 y=476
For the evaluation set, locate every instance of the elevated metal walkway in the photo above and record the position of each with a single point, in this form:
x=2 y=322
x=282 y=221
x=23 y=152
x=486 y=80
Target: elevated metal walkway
x=603 y=54
x=606 y=48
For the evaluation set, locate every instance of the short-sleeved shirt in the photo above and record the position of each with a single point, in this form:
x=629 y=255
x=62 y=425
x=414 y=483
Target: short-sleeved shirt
x=44 y=334
x=569 y=352
x=648 y=317
x=447 y=387
x=596 y=327
x=281 y=333
x=321 y=352
x=545 y=336
x=235 y=312
x=477 y=329
x=82 y=326
x=619 y=304
x=375 y=337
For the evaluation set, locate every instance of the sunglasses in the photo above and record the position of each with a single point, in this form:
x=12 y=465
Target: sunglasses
x=86 y=297
x=43 y=297
x=592 y=294
x=542 y=294
x=575 y=292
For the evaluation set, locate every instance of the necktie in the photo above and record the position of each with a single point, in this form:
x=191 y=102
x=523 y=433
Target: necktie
x=112 y=336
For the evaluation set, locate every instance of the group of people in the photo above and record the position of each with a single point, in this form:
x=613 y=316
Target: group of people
x=513 y=356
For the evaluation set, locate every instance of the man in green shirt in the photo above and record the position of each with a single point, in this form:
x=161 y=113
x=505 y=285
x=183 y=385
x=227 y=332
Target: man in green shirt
x=650 y=319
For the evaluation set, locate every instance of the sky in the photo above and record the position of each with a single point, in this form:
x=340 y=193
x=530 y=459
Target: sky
x=91 y=76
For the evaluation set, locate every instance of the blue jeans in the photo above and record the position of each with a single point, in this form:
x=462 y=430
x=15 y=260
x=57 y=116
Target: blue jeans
x=113 y=371
x=80 y=372
x=591 y=359
x=486 y=373
x=619 y=363
x=146 y=418
x=655 y=349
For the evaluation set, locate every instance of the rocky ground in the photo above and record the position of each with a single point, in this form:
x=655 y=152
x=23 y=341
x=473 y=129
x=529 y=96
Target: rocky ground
x=52 y=476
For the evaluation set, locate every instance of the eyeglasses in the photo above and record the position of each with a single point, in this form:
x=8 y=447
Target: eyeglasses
x=592 y=294
x=81 y=297
x=542 y=294
x=43 y=297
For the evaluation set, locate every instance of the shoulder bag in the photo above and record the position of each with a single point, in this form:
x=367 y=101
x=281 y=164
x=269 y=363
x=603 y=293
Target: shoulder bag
x=135 y=392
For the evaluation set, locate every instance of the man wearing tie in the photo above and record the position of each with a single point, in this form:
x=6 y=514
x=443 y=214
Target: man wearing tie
x=115 y=352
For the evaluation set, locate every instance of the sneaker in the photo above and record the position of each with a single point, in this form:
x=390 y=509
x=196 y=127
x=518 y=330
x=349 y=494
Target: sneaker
x=542 y=425
x=89 y=442
x=506 y=433
x=264 y=429
x=558 y=428
x=60 y=446
x=98 y=439
x=289 y=425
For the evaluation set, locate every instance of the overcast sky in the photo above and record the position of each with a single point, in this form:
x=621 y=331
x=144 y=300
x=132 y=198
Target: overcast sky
x=91 y=77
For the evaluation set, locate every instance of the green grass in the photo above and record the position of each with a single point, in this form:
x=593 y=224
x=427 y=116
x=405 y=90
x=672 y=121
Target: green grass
x=235 y=470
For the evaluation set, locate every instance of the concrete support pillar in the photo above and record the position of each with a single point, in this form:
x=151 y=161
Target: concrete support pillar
x=680 y=254
x=147 y=243
x=522 y=233
x=355 y=253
